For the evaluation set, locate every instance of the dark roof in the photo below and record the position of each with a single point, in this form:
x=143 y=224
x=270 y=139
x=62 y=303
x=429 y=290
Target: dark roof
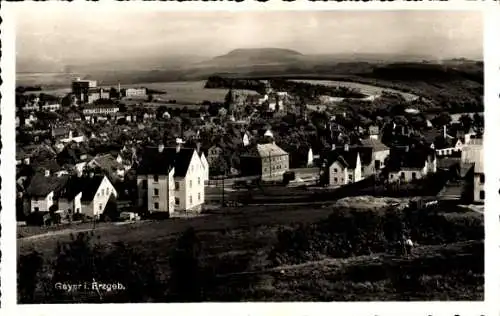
x=347 y=158
x=374 y=144
x=88 y=186
x=429 y=136
x=350 y=156
x=155 y=162
x=40 y=185
x=412 y=159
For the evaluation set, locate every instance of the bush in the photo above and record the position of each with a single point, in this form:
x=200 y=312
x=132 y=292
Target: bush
x=347 y=233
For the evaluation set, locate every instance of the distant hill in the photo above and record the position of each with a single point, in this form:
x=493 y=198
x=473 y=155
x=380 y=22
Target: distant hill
x=158 y=67
x=245 y=57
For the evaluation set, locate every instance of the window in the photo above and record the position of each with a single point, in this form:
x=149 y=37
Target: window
x=37 y=209
x=392 y=176
x=199 y=196
x=102 y=191
x=335 y=170
x=155 y=178
x=199 y=182
x=190 y=199
x=481 y=178
x=402 y=175
x=481 y=194
x=335 y=180
x=190 y=184
x=176 y=185
x=157 y=205
x=107 y=191
x=265 y=169
x=100 y=206
x=156 y=192
x=177 y=202
x=377 y=164
x=77 y=210
x=413 y=175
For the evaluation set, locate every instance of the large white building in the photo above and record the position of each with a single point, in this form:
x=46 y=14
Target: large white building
x=172 y=180
x=472 y=154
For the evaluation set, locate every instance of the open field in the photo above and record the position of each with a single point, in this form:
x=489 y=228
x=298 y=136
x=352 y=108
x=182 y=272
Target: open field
x=370 y=90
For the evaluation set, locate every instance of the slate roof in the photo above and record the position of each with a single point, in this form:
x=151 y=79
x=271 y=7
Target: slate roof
x=346 y=158
x=155 y=162
x=88 y=186
x=40 y=185
x=375 y=144
x=411 y=159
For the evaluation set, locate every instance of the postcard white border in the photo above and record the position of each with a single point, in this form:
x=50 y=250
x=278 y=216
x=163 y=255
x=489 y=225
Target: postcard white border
x=492 y=89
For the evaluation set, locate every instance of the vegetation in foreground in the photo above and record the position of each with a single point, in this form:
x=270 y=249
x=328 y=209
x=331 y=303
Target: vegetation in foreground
x=348 y=256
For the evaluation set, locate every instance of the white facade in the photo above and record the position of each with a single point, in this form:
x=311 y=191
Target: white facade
x=133 y=92
x=156 y=193
x=338 y=174
x=99 y=110
x=479 y=188
x=96 y=205
x=51 y=107
x=74 y=205
x=190 y=190
x=42 y=203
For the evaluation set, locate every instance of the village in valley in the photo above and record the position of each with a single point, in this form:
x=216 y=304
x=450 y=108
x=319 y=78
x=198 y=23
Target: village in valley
x=99 y=153
x=318 y=173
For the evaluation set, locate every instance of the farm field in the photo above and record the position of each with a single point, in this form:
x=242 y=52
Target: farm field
x=370 y=90
x=185 y=92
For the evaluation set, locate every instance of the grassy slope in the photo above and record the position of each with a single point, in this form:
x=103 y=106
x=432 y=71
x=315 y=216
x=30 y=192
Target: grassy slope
x=247 y=234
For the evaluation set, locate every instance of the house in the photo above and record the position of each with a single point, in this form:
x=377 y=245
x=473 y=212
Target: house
x=342 y=167
x=135 y=92
x=268 y=161
x=42 y=190
x=407 y=165
x=373 y=131
x=379 y=154
x=51 y=107
x=171 y=180
x=109 y=165
x=86 y=195
x=472 y=154
x=479 y=182
x=96 y=111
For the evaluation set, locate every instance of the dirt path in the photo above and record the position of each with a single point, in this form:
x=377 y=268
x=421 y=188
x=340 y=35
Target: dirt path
x=75 y=230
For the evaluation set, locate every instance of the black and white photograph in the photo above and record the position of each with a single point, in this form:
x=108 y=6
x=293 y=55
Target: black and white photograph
x=249 y=156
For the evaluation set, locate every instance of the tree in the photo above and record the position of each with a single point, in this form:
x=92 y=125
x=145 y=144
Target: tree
x=219 y=166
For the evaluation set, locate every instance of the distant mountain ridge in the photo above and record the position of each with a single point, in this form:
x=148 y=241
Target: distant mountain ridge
x=241 y=61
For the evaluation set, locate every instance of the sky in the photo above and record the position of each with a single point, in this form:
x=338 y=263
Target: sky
x=65 y=34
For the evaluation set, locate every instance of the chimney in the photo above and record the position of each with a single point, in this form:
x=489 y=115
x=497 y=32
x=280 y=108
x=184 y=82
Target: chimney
x=444 y=131
x=198 y=147
x=47 y=173
x=91 y=174
x=161 y=147
x=333 y=147
x=407 y=148
x=346 y=147
x=178 y=143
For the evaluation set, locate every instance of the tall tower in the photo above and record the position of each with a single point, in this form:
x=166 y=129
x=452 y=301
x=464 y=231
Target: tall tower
x=119 y=91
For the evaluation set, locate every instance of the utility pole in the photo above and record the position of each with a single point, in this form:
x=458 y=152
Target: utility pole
x=270 y=165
